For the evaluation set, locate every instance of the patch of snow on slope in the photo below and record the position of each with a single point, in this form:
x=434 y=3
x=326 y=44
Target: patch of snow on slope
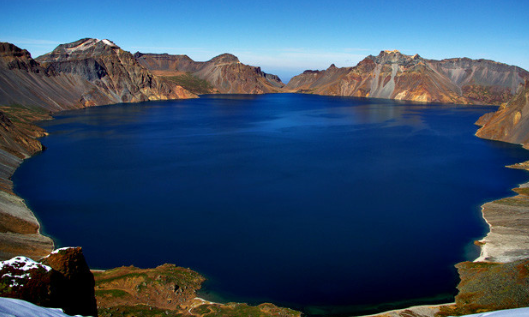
x=516 y=312
x=10 y=307
x=24 y=264
x=109 y=43
x=56 y=251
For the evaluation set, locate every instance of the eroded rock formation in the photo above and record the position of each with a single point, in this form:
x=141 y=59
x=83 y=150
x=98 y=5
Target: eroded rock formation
x=225 y=73
x=511 y=122
x=115 y=73
x=392 y=75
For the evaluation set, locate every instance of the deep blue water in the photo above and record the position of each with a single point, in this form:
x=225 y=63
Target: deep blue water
x=331 y=205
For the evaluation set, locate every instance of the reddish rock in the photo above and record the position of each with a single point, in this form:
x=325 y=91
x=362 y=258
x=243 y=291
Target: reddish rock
x=62 y=280
x=75 y=287
x=393 y=75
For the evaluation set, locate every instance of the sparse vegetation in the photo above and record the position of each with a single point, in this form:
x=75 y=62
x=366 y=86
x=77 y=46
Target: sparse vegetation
x=192 y=83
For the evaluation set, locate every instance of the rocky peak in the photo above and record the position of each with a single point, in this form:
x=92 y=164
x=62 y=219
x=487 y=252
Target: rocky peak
x=394 y=57
x=225 y=58
x=80 y=49
x=14 y=57
x=11 y=50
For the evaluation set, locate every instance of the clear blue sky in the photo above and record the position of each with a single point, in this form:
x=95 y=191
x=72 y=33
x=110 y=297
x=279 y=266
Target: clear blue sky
x=283 y=37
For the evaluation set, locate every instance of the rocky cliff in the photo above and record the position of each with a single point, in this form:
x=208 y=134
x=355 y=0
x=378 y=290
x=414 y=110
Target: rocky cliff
x=393 y=75
x=225 y=73
x=511 y=122
x=115 y=72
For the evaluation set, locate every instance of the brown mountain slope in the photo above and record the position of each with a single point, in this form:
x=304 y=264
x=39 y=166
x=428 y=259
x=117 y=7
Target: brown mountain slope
x=225 y=72
x=510 y=123
x=115 y=72
x=393 y=75
x=24 y=81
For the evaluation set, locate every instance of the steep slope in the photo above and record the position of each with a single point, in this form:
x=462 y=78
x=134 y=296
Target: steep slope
x=224 y=72
x=115 y=72
x=24 y=81
x=510 y=123
x=393 y=75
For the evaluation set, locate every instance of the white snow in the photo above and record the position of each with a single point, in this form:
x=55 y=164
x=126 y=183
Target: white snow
x=59 y=250
x=10 y=307
x=107 y=42
x=516 y=312
x=24 y=264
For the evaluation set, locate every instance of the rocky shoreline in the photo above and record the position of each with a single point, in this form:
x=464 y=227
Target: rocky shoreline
x=507 y=241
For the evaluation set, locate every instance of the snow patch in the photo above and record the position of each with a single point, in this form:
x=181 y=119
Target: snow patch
x=59 y=250
x=517 y=312
x=11 y=307
x=89 y=44
x=24 y=264
x=107 y=42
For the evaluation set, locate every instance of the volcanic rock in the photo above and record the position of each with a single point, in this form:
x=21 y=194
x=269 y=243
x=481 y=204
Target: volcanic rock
x=225 y=73
x=511 y=122
x=62 y=280
x=114 y=71
x=393 y=75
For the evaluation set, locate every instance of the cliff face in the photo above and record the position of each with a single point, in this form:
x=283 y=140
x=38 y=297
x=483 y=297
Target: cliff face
x=510 y=123
x=225 y=72
x=115 y=73
x=393 y=75
x=23 y=81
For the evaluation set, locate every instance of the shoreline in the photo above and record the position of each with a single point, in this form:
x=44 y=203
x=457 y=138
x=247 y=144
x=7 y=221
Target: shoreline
x=501 y=244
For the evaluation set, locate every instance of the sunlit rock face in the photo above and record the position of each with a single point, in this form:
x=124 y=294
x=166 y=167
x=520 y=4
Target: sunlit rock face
x=393 y=75
x=511 y=122
x=225 y=73
x=114 y=71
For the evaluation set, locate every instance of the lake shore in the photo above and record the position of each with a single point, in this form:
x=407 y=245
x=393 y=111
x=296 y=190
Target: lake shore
x=507 y=240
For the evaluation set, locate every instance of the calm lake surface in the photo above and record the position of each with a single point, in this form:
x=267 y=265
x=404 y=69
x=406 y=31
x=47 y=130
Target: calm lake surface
x=326 y=204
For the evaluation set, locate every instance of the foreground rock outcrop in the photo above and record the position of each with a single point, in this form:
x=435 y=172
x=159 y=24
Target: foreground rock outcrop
x=61 y=280
x=392 y=75
x=225 y=73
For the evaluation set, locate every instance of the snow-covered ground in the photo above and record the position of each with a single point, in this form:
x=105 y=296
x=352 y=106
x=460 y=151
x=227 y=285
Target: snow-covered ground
x=10 y=307
x=516 y=312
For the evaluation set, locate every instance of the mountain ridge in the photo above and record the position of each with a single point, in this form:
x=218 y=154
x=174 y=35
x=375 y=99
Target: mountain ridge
x=224 y=72
x=393 y=75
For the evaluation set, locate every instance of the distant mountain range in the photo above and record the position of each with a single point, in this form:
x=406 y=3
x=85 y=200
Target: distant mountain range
x=392 y=75
x=225 y=73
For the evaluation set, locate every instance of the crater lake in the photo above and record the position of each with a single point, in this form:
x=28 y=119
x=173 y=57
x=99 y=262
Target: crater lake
x=329 y=205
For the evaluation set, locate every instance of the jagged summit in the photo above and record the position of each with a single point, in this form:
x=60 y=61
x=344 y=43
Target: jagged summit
x=393 y=57
x=394 y=75
x=225 y=58
x=80 y=49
